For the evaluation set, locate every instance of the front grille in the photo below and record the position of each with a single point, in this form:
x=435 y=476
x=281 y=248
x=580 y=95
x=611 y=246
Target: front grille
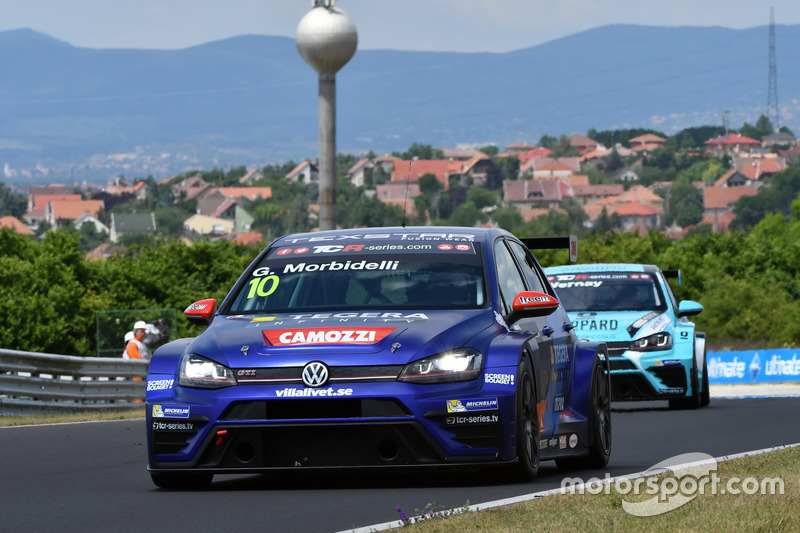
x=319 y=408
x=293 y=375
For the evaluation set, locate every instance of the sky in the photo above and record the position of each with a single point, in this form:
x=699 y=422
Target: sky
x=424 y=25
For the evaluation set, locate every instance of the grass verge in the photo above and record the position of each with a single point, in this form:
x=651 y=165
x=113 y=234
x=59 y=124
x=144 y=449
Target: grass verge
x=605 y=512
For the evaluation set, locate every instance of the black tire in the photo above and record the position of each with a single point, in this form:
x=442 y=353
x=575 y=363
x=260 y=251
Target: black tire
x=182 y=480
x=705 y=395
x=599 y=424
x=527 y=424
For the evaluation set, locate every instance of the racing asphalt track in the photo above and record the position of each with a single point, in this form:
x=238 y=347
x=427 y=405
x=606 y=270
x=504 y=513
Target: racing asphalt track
x=91 y=476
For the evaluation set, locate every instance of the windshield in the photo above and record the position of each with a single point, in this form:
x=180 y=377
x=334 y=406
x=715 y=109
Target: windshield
x=357 y=281
x=608 y=291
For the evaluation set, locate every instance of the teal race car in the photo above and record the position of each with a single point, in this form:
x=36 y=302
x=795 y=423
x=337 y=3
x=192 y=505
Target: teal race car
x=655 y=352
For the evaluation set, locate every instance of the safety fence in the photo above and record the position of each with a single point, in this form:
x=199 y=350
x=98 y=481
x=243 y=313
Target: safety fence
x=37 y=383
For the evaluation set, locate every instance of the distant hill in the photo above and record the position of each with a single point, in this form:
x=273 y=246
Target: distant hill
x=252 y=99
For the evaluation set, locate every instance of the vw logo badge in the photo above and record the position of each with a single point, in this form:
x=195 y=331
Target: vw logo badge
x=315 y=374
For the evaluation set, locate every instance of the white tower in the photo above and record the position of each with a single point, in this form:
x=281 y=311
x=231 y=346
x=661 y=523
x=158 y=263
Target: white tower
x=327 y=40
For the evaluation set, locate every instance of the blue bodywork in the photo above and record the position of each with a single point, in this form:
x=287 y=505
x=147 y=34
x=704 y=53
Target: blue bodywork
x=265 y=417
x=655 y=352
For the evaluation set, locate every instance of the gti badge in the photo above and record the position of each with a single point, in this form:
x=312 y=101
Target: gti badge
x=315 y=374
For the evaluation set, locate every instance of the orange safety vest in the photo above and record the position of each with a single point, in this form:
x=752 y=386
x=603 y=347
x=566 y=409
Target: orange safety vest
x=136 y=349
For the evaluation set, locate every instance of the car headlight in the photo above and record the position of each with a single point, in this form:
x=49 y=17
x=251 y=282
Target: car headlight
x=197 y=371
x=656 y=341
x=463 y=364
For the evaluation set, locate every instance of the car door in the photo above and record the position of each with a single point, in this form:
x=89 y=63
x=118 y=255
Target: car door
x=511 y=282
x=558 y=331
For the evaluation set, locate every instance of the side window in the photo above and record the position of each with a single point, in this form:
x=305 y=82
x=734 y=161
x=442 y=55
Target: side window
x=529 y=268
x=508 y=276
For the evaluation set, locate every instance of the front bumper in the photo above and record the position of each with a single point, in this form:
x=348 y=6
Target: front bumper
x=259 y=432
x=656 y=375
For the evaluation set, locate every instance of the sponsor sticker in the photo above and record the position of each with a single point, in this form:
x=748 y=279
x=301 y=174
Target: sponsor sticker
x=558 y=404
x=472 y=419
x=173 y=426
x=166 y=411
x=331 y=335
x=291 y=392
x=573 y=440
x=159 y=384
x=499 y=379
x=461 y=406
x=562 y=442
x=668 y=362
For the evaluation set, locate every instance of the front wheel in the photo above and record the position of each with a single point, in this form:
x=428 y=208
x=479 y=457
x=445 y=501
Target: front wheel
x=527 y=424
x=182 y=480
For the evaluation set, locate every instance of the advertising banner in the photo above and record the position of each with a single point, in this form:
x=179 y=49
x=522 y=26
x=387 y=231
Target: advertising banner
x=751 y=367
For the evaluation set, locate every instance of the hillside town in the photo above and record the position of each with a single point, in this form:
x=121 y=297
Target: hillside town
x=531 y=180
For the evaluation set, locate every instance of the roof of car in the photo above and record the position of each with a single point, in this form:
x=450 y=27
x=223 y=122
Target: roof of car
x=601 y=267
x=397 y=233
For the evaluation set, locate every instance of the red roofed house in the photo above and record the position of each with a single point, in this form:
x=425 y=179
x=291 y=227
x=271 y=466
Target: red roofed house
x=357 y=174
x=647 y=142
x=535 y=193
x=16 y=225
x=480 y=170
x=250 y=177
x=583 y=144
x=413 y=170
x=720 y=200
x=249 y=193
x=633 y=214
x=538 y=152
x=305 y=172
x=731 y=142
x=399 y=193
x=70 y=210
x=759 y=170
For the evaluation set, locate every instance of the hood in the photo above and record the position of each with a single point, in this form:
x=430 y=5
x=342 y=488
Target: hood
x=348 y=338
x=618 y=326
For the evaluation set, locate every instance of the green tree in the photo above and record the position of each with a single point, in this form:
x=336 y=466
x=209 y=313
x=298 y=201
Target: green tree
x=481 y=197
x=684 y=205
x=11 y=204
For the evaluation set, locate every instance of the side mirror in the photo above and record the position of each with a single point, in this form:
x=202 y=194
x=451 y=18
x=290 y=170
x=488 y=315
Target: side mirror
x=529 y=304
x=689 y=308
x=200 y=313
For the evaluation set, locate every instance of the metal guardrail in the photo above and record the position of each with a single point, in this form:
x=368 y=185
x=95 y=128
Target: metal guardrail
x=37 y=383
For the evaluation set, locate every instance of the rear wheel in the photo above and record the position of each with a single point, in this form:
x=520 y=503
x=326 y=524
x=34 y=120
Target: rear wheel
x=527 y=424
x=599 y=424
x=182 y=480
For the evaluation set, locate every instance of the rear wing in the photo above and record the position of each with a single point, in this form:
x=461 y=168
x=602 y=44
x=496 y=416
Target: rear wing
x=569 y=242
x=673 y=274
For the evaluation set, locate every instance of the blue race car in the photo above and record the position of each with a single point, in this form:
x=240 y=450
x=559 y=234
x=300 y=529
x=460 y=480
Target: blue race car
x=380 y=347
x=654 y=350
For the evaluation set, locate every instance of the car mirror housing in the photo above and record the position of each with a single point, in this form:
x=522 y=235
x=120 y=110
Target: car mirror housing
x=200 y=312
x=530 y=304
x=689 y=308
